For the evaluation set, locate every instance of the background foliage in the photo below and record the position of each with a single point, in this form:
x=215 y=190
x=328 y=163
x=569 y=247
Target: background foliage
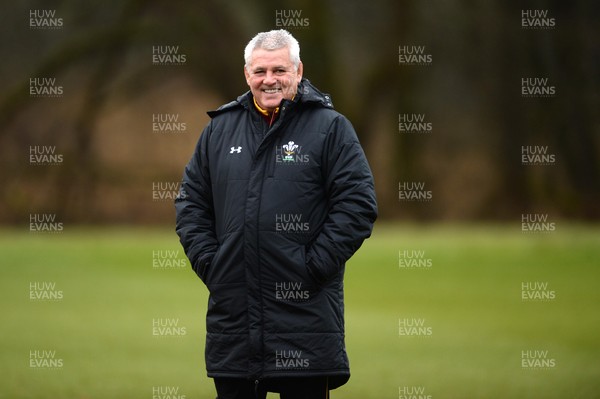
x=470 y=93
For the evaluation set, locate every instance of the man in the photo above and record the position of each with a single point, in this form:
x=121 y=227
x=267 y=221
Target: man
x=276 y=198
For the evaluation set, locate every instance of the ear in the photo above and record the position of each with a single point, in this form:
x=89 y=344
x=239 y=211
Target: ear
x=247 y=75
x=300 y=71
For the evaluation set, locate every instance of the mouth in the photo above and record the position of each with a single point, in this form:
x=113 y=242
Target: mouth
x=272 y=91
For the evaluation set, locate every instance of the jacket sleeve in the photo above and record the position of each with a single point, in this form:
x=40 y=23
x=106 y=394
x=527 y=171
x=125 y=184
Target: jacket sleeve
x=195 y=218
x=352 y=204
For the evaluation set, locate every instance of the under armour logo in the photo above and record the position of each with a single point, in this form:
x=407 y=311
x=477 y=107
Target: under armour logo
x=237 y=150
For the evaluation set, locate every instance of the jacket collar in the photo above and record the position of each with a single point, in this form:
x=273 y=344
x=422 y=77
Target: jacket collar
x=310 y=94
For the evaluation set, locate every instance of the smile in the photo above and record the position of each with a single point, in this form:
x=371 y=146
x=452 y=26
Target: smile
x=272 y=91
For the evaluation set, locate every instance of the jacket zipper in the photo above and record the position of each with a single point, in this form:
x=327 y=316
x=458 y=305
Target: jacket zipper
x=256 y=383
x=273 y=161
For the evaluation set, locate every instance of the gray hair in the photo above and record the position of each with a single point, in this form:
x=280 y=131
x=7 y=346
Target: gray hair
x=273 y=40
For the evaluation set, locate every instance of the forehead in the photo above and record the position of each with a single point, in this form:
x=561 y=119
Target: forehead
x=269 y=58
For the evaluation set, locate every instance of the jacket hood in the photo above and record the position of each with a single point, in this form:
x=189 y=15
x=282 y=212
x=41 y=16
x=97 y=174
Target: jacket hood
x=307 y=94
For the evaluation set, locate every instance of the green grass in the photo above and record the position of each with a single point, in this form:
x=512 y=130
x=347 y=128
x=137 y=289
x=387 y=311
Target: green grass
x=470 y=297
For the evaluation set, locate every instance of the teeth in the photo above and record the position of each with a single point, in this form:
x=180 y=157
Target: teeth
x=271 y=91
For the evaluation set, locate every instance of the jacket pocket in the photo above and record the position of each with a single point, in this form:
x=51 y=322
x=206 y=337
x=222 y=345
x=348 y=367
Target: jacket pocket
x=283 y=268
x=311 y=270
x=202 y=264
x=206 y=266
x=227 y=265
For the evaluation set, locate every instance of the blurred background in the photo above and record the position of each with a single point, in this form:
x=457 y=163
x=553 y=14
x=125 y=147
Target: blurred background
x=102 y=56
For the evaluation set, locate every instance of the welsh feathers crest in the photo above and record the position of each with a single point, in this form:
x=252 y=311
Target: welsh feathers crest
x=290 y=148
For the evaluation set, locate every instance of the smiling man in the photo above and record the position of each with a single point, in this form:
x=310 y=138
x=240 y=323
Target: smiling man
x=277 y=197
x=272 y=77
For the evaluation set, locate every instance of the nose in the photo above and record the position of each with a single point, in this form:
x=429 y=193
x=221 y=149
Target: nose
x=270 y=79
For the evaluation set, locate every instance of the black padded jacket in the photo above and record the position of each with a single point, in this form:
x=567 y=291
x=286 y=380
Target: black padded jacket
x=268 y=216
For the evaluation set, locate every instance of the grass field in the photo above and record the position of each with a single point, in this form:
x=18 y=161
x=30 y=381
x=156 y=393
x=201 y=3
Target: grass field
x=475 y=325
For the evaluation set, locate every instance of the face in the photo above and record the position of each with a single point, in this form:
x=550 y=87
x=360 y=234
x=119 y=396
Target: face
x=272 y=77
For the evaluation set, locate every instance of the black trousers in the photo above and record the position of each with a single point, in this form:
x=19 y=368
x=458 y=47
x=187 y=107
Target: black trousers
x=288 y=388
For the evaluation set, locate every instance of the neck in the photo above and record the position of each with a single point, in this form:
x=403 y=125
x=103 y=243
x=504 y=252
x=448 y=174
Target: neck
x=263 y=111
x=269 y=117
